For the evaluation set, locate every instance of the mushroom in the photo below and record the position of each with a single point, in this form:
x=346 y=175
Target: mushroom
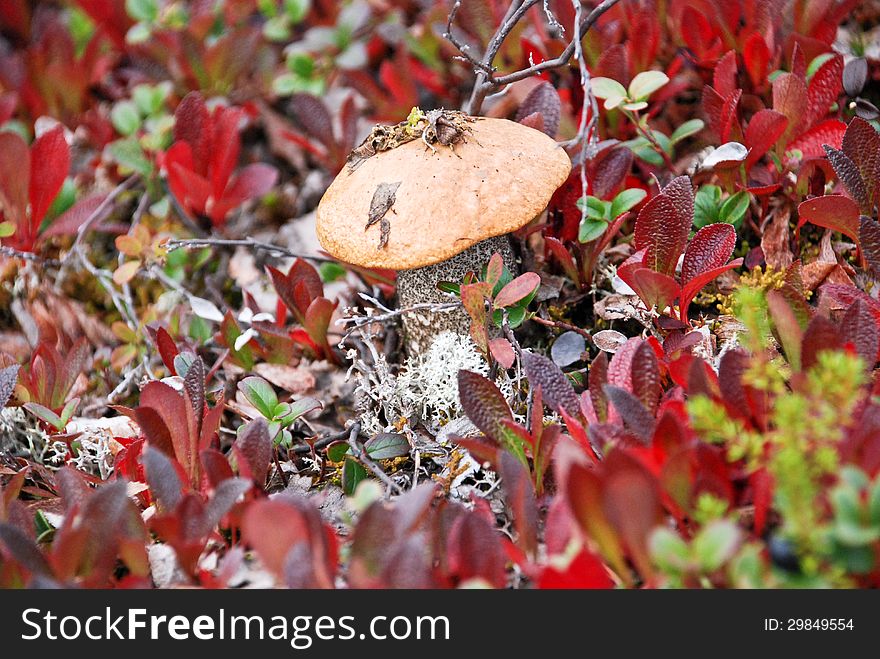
x=436 y=213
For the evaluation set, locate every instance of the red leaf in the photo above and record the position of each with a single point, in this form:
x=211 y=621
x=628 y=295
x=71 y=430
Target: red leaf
x=823 y=90
x=662 y=225
x=167 y=349
x=654 y=288
x=557 y=390
x=764 y=130
x=311 y=113
x=534 y=121
x=610 y=170
x=869 y=241
x=646 y=385
x=473 y=551
x=517 y=289
x=727 y=119
x=821 y=334
x=861 y=142
x=585 y=570
x=859 y=328
x=253 y=451
x=50 y=162
x=810 y=144
x=192 y=126
x=724 y=78
x=544 y=100
x=165 y=478
x=690 y=290
x=225 y=147
x=710 y=248
x=15 y=167
x=790 y=99
x=566 y=260
x=73 y=218
x=483 y=404
x=834 y=212
x=502 y=351
x=756 y=56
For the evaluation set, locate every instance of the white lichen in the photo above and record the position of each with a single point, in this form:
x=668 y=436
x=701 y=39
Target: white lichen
x=425 y=388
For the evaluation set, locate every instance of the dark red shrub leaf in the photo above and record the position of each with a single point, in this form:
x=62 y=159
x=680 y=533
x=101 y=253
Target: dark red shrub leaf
x=23 y=550
x=848 y=173
x=756 y=57
x=790 y=99
x=637 y=419
x=544 y=100
x=253 y=450
x=821 y=334
x=483 y=404
x=646 y=384
x=869 y=241
x=764 y=130
x=861 y=142
x=191 y=125
x=834 y=212
x=50 y=161
x=226 y=494
x=824 y=88
x=555 y=387
x=473 y=551
x=311 y=113
x=163 y=477
x=710 y=248
x=610 y=171
x=811 y=144
x=859 y=328
x=597 y=379
x=662 y=226
x=520 y=495
x=690 y=290
x=724 y=78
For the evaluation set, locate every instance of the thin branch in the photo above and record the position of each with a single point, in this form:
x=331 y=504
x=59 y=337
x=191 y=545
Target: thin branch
x=487 y=82
x=558 y=324
x=357 y=322
x=357 y=450
x=27 y=256
x=250 y=243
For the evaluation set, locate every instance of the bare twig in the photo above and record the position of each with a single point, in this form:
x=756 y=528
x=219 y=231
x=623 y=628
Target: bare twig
x=357 y=450
x=357 y=322
x=258 y=245
x=27 y=256
x=558 y=324
x=97 y=215
x=487 y=81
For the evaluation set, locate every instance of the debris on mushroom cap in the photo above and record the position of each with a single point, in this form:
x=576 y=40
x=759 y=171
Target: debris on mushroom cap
x=494 y=182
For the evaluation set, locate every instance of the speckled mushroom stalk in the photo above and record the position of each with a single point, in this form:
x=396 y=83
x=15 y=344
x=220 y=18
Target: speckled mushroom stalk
x=419 y=285
x=434 y=215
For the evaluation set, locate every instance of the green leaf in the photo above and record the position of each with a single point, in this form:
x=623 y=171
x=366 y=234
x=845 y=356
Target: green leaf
x=686 y=129
x=6 y=229
x=607 y=88
x=874 y=503
x=817 y=62
x=353 y=472
x=143 y=10
x=68 y=411
x=260 y=394
x=635 y=107
x=45 y=415
x=669 y=551
x=643 y=150
x=625 y=201
x=125 y=118
x=150 y=99
x=591 y=229
x=645 y=84
x=613 y=101
x=129 y=154
x=706 y=203
x=387 y=445
x=734 y=208
x=331 y=271
x=298 y=408
x=296 y=10
x=716 y=544
x=277 y=28
x=596 y=208
x=337 y=451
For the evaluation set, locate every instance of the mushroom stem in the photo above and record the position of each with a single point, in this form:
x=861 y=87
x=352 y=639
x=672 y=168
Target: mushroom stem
x=419 y=285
